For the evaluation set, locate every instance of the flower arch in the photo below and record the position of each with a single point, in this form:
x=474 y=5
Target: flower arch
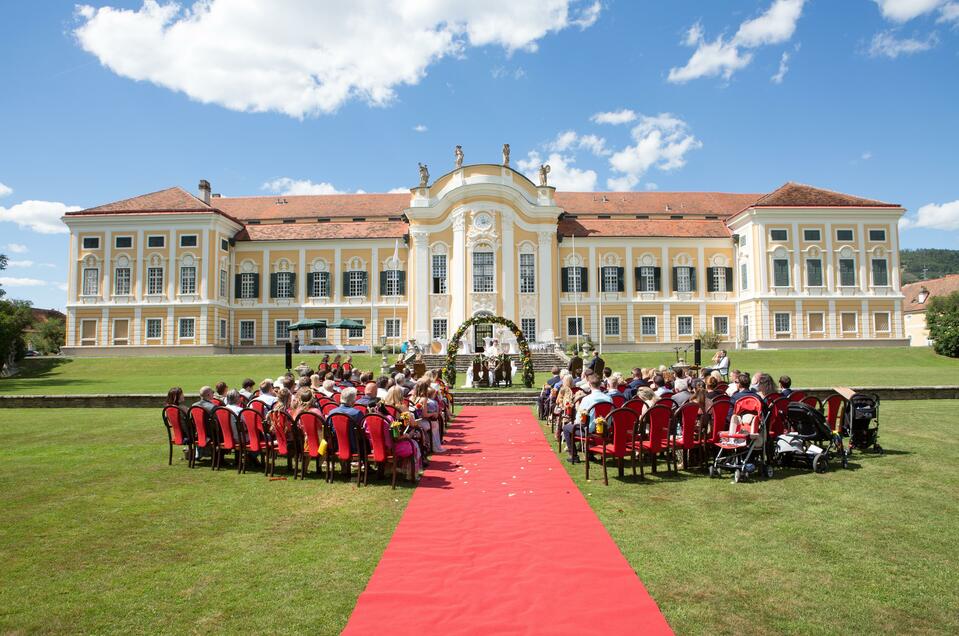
x=449 y=371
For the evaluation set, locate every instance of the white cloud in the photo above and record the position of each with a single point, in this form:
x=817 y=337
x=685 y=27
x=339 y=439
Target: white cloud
x=17 y=248
x=61 y=286
x=570 y=140
x=5 y=190
x=905 y=10
x=420 y=128
x=309 y=58
x=651 y=186
x=662 y=142
x=562 y=174
x=500 y=72
x=288 y=186
x=400 y=190
x=783 y=69
x=949 y=13
x=722 y=57
x=866 y=156
x=39 y=216
x=934 y=216
x=13 y=281
x=886 y=44
x=615 y=117
x=23 y=264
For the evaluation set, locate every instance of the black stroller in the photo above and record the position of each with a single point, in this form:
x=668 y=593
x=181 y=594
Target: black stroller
x=860 y=423
x=808 y=440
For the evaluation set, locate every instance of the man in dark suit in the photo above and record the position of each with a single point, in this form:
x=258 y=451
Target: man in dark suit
x=576 y=365
x=596 y=364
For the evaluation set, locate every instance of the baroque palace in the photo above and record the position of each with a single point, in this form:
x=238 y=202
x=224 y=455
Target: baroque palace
x=171 y=272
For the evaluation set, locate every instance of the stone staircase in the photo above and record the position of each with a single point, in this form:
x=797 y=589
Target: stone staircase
x=541 y=361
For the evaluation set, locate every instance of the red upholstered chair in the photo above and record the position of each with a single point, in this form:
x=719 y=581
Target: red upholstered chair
x=835 y=404
x=722 y=386
x=347 y=368
x=772 y=397
x=748 y=404
x=256 y=441
x=777 y=419
x=361 y=408
x=656 y=439
x=797 y=396
x=243 y=400
x=335 y=397
x=688 y=420
x=322 y=369
x=813 y=401
x=216 y=401
x=377 y=425
x=717 y=418
x=667 y=395
x=258 y=406
x=328 y=406
x=600 y=409
x=177 y=432
x=637 y=406
x=203 y=436
x=618 y=401
x=392 y=411
x=666 y=400
x=313 y=428
x=615 y=442
x=223 y=434
x=286 y=440
x=339 y=427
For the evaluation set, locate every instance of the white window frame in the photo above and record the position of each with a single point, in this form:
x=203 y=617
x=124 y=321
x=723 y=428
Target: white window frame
x=276 y=330
x=642 y=326
x=354 y=282
x=126 y=279
x=247 y=283
x=806 y=238
x=316 y=334
x=527 y=273
x=224 y=284
x=776 y=240
x=438 y=268
x=875 y=324
x=574 y=320
x=162 y=244
x=788 y=282
x=575 y=280
x=224 y=245
x=822 y=275
x=223 y=328
x=647 y=279
x=684 y=279
x=839 y=272
x=744 y=276
x=181 y=323
x=392 y=282
x=186 y=279
x=155 y=287
x=196 y=240
x=321 y=285
x=116 y=240
x=528 y=327
x=119 y=342
x=252 y=326
x=610 y=279
x=679 y=330
x=776 y=322
x=490 y=277
x=284 y=285
x=716 y=330
x=83 y=242
x=822 y=321
x=852 y=239
x=872 y=271
x=159 y=324
x=392 y=327
x=876 y=229
x=609 y=321
x=90 y=284
x=855 y=322
x=358 y=334
x=440 y=334
x=719 y=279
x=89 y=342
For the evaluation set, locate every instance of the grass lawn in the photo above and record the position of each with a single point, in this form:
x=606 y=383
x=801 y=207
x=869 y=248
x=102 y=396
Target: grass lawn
x=808 y=367
x=99 y=535
x=872 y=549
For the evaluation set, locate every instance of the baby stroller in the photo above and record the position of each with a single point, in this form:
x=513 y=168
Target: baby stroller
x=860 y=423
x=808 y=440
x=742 y=449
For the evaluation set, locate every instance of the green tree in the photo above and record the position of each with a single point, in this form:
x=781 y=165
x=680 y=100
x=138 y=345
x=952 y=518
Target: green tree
x=50 y=336
x=15 y=317
x=942 y=318
x=3 y=266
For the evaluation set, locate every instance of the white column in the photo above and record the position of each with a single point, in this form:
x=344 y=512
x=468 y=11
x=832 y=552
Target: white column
x=139 y=282
x=546 y=279
x=666 y=274
x=664 y=329
x=863 y=260
x=107 y=274
x=203 y=267
x=897 y=320
x=265 y=319
x=173 y=275
x=301 y=279
x=594 y=327
x=894 y=257
x=831 y=320
x=701 y=272
x=265 y=276
x=456 y=283
x=829 y=258
x=106 y=328
x=509 y=269
x=421 y=251
x=171 y=327
x=798 y=331
x=337 y=333
x=760 y=251
x=71 y=339
x=336 y=277
x=203 y=332
x=702 y=317
x=797 y=258
x=137 y=336
x=865 y=327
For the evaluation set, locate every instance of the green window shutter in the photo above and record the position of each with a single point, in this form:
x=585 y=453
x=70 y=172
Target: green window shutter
x=236 y=285
x=346 y=283
x=273 y=280
x=692 y=279
x=256 y=286
x=710 y=282
x=366 y=284
x=564 y=279
x=326 y=277
x=638 y=279
x=620 y=282
x=729 y=279
x=658 y=278
x=310 y=277
x=402 y=283
x=382 y=283
x=584 y=277
x=293 y=285
x=675 y=278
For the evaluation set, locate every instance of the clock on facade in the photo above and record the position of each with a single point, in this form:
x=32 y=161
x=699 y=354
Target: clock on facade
x=482 y=221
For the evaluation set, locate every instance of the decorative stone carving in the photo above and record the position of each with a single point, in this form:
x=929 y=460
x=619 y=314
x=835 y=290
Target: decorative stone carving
x=506 y=155
x=439 y=306
x=543 y=171
x=319 y=265
x=527 y=306
x=482 y=230
x=545 y=239
x=420 y=238
x=283 y=265
x=458 y=154
x=123 y=261
x=484 y=303
x=247 y=267
x=424 y=175
x=459 y=221
x=156 y=260
x=187 y=260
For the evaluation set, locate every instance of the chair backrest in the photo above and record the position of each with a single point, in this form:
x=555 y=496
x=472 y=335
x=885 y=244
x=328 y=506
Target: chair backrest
x=779 y=415
x=834 y=406
x=222 y=417
x=658 y=419
x=253 y=423
x=312 y=426
x=173 y=419
x=199 y=417
x=327 y=407
x=624 y=423
x=340 y=425
x=772 y=397
x=362 y=408
x=258 y=406
x=618 y=401
x=283 y=428
x=243 y=400
x=813 y=401
x=601 y=409
x=392 y=411
x=347 y=367
x=216 y=401
x=667 y=402
x=748 y=404
x=797 y=396
x=688 y=417
x=637 y=406
x=335 y=397
x=718 y=415
x=323 y=367
x=722 y=386
x=376 y=426
x=666 y=395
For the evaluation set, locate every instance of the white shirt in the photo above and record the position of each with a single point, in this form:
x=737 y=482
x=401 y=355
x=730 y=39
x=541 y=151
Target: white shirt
x=267 y=399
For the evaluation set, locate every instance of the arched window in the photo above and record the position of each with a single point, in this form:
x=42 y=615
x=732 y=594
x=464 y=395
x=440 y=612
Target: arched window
x=484 y=270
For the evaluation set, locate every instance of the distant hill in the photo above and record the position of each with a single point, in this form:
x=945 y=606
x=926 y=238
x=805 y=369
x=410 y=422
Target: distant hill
x=936 y=263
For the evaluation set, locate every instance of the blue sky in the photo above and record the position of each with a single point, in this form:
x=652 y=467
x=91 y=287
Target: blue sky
x=123 y=98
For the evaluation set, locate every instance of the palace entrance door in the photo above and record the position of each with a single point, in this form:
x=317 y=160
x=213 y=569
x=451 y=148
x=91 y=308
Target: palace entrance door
x=480 y=332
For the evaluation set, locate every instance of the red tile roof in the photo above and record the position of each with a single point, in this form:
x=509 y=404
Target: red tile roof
x=333 y=230
x=935 y=286
x=314 y=206
x=169 y=200
x=688 y=228
x=792 y=195
x=718 y=203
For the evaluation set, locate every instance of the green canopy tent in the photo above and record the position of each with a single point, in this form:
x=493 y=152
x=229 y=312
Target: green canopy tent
x=345 y=323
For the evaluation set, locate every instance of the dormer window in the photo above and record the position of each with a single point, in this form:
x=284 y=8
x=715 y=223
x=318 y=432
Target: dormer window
x=923 y=295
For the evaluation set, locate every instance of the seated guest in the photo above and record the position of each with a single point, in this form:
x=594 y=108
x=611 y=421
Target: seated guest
x=249 y=386
x=347 y=408
x=681 y=393
x=206 y=401
x=316 y=383
x=615 y=385
x=400 y=380
x=394 y=397
x=712 y=391
x=554 y=378
x=563 y=408
x=328 y=388
x=233 y=403
x=267 y=395
x=764 y=385
x=733 y=382
x=720 y=362
x=785 y=385
x=755 y=380
x=369 y=398
x=382 y=385
x=638 y=379
x=429 y=414
x=220 y=396
x=303 y=369
x=669 y=377
x=647 y=395
x=301 y=401
x=658 y=385
x=303 y=383
x=742 y=387
x=606 y=375
x=585 y=417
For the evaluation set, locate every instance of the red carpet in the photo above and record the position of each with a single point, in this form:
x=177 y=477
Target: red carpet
x=497 y=539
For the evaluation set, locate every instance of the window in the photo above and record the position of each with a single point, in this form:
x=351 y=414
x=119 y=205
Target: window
x=156 y=241
x=91 y=243
x=440 y=329
x=811 y=235
x=816 y=322
x=392 y=283
x=392 y=328
x=225 y=245
x=610 y=276
x=744 y=276
x=848 y=321
x=611 y=325
x=91 y=281
x=880 y=322
x=780 y=272
x=154 y=280
x=483 y=272
x=320 y=285
x=813 y=272
x=527 y=273
x=528 y=327
x=684 y=325
x=121 y=332
x=778 y=235
x=782 y=322
x=647 y=279
x=123 y=242
x=575 y=279
x=356 y=283
x=721 y=325
x=319 y=332
x=844 y=235
x=121 y=281
x=187 y=327
x=188 y=240
x=744 y=239
x=847 y=272
x=88 y=332
x=224 y=285
x=281 y=329
x=247 y=330
x=154 y=328
x=574 y=326
x=647 y=326
x=719 y=278
x=880 y=272
x=188 y=280
x=248 y=285
x=356 y=333
x=439 y=274
x=222 y=330
x=684 y=279
x=284 y=285
x=877 y=235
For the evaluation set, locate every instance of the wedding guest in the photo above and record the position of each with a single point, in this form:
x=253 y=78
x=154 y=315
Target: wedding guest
x=785 y=385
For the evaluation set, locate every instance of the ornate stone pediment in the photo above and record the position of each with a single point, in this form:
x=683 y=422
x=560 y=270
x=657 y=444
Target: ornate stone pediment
x=482 y=229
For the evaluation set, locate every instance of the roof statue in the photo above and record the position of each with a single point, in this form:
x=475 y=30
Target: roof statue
x=424 y=175
x=458 y=153
x=543 y=171
x=506 y=155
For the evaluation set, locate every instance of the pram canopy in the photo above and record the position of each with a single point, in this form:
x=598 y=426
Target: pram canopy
x=808 y=423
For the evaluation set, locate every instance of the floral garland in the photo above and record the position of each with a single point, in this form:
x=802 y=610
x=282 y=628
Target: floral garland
x=525 y=357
